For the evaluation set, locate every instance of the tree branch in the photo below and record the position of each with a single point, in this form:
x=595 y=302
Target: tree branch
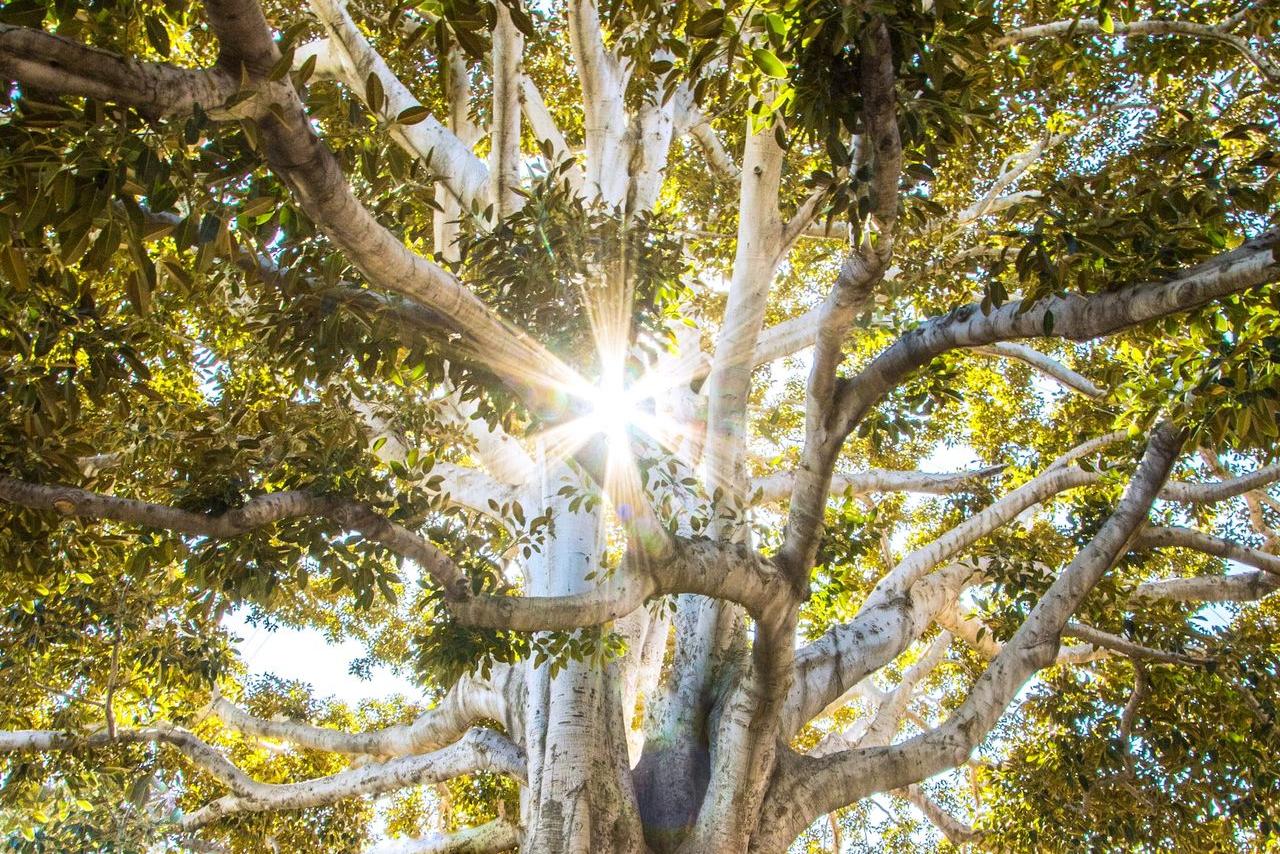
x=955 y=831
x=52 y=63
x=1232 y=587
x=354 y=61
x=469 y=700
x=718 y=157
x=1188 y=538
x=504 y=127
x=811 y=787
x=1209 y=493
x=478 y=750
x=883 y=629
x=491 y=837
x=1076 y=317
x=1151 y=27
x=255 y=513
x=1115 y=643
x=777 y=486
x=545 y=129
x=859 y=274
x=203 y=755
x=1046 y=365
x=718 y=570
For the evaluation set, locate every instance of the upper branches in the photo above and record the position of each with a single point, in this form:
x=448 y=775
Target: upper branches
x=1076 y=317
x=255 y=513
x=728 y=572
x=1222 y=33
x=816 y=786
x=862 y=269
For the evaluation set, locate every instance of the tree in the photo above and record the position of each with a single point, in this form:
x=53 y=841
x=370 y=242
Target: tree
x=582 y=360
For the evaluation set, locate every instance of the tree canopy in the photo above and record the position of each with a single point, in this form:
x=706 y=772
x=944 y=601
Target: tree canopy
x=798 y=424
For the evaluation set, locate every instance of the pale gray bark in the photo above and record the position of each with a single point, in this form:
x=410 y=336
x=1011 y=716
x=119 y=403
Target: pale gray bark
x=776 y=487
x=478 y=750
x=810 y=788
x=491 y=837
x=1221 y=33
x=1046 y=365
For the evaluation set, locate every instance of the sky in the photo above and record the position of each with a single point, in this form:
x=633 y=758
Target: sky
x=308 y=656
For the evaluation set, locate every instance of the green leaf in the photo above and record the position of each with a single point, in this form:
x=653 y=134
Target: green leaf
x=305 y=71
x=413 y=115
x=157 y=35
x=373 y=93
x=768 y=63
x=255 y=207
x=708 y=25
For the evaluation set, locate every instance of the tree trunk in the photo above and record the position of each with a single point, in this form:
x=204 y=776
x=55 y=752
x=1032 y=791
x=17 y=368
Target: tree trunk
x=580 y=798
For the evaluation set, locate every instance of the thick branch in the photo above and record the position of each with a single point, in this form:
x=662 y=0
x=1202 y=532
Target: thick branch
x=1046 y=365
x=478 y=750
x=354 y=60
x=206 y=757
x=545 y=129
x=756 y=257
x=718 y=157
x=812 y=787
x=1218 y=33
x=1232 y=587
x=725 y=571
x=255 y=513
x=775 y=487
x=881 y=631
x=504 y=129
x=41 y=60
x=1076 y=317
x=1188 y=538
x=465 y=703
x=990 y=518
x=861 y=271
x=489 y=838
x=1208 y=493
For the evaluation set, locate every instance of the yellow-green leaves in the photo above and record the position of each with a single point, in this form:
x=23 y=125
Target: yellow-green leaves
x=768 y=63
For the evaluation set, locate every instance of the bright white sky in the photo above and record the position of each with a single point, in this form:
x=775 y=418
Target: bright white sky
x=307 y=656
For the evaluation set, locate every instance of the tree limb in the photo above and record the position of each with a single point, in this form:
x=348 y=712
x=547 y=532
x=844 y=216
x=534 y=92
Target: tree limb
x=1115 y=643
x=468 y=701
x=354 y=61
x=777 y=486
x=1232 y=587
x=1046 y=365
x=955 y=831
x=202 y=754
x=1076 y=317
x=478 y=750
x=491 y=837
x=1188 y=538
x=255 y=513
x=812 y=787
x=1151 y=27
x=52 y=63
x=1209 y=493
x=861 y=271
